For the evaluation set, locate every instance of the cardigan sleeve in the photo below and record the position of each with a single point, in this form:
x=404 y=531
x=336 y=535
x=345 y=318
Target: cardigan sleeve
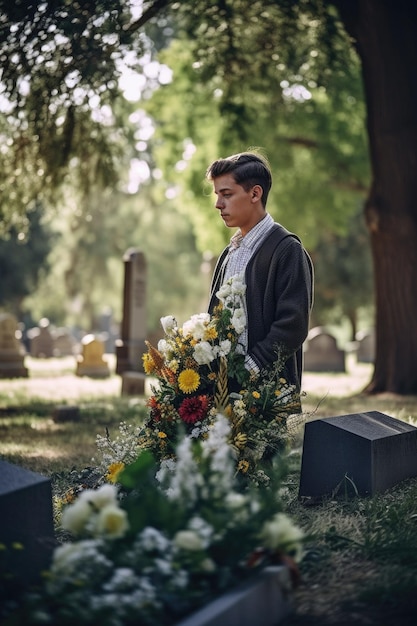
x=279 y=300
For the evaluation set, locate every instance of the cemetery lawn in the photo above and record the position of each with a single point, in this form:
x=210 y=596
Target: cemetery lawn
x=360 y=564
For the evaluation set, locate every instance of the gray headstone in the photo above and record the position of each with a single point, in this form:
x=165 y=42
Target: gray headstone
x=322 y=353
x=366 y=346
x=64 y=343
x=265 y=600
x=131 y=345
x=41 y=340
x=26 y=522
x=12 y=352
x=367 y=452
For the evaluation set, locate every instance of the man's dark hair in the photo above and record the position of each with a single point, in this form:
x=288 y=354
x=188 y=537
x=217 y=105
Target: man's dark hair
x=247 y=168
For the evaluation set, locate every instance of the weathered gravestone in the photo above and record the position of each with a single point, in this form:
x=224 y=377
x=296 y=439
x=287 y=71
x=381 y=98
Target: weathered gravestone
x=366 y=346
x=26 y=522
x=365 y=453
x=41 y=340
x=131 y=345
x=321 y=352
x=12 y=352
x=91 y=362
x=64 y=344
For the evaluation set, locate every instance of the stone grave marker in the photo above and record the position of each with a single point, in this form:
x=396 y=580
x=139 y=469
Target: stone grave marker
x=366 y=346
x=91 y=362
x=131 y=345
x=41 y=340
x=26 y=522
x=364 y=452
x=321 y=352
x=12 y=352
x=64 y=343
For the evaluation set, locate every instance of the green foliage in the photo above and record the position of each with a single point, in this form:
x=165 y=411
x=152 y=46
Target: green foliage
x=307 y=116
x=23 y=257
x=61 y=64
x=343 y=270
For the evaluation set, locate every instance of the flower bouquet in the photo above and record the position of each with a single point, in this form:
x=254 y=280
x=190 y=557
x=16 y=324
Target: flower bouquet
x=200 y=371
x=167 y=540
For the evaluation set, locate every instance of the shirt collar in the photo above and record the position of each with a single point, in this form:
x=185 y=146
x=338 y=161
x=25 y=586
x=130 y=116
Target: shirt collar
x=250 y=239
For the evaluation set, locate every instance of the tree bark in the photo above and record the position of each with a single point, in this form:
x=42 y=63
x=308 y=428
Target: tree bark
x=384 y=33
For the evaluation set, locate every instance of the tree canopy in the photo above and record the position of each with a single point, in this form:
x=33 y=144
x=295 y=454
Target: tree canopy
x=282 y=74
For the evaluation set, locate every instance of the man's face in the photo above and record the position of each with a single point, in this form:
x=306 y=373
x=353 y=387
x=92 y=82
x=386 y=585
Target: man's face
x=238 y=208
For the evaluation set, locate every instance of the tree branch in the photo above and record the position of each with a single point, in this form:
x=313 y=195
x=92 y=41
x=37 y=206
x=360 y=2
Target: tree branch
x=153 y=10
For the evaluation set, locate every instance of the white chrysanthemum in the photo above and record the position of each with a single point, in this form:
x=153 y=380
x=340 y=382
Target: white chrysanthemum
x=238 y=287
x=169 y=324
x=224 y=292
x=238 y=320
x=204 y=353
x=163 y=347
x=224 y=348
x=196 y=326
x=111 y=522
x=281 y=532
x=188 y=540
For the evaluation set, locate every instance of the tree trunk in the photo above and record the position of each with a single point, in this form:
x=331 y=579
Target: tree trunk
x=384 y=33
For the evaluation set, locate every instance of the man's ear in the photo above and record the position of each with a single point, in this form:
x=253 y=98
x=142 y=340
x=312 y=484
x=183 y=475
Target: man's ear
x=257 y=193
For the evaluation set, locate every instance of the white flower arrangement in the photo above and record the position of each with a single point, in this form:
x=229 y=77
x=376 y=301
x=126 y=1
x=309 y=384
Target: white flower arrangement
x=156 y=549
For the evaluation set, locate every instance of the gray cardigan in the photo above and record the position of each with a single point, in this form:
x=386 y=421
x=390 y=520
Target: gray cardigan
x=279 y=297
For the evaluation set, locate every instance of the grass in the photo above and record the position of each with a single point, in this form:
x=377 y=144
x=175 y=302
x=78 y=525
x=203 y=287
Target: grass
x=360 y=564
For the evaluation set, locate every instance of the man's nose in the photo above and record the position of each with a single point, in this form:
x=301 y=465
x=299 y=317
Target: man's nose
x=219 y=203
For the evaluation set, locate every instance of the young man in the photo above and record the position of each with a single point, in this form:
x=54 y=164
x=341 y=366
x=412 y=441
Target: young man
x=278 y=271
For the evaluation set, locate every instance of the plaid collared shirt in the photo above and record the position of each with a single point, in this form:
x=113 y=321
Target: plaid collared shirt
x=241 y=250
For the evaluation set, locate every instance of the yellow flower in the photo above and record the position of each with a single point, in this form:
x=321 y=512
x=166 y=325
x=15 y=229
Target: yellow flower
x=256 y=395
x=114 y=470
x=282 y=380
x=240 y=440
x=277 y=392
x=210 y=334
x=161 y=435
x=148 y=363
x=212 y=376
x=188 y=381
x=243 y=466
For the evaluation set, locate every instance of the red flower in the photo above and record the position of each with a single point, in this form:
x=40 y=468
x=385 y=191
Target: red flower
x=154 y=405
x=193 y=409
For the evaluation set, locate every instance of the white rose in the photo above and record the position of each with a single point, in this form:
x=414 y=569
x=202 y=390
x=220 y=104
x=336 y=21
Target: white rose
x=111 y=521
x=76 y=516
x=106 y=494
x=188 y=540
x=169 y=324
x=224 y=292
x=281 y=532
x=196 y=326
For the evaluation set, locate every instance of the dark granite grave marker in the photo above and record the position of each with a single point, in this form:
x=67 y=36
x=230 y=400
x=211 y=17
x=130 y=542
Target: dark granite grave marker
x=371 y=452
x=26 y=522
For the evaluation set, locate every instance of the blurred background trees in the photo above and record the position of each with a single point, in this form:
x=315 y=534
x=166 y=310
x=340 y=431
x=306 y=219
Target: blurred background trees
x=112 y=110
